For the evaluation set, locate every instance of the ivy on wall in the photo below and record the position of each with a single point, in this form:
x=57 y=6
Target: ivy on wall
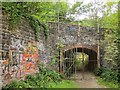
x=36 y=25
x=17 y=10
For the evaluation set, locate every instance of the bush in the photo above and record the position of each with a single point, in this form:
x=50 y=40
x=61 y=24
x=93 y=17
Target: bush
x=107 y=74
x=110 y=75
x=40 y=80
x=15 y=85
x=99 y=71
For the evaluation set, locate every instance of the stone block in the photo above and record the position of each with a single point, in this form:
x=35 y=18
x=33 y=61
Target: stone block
x=1 y=79
x=0 y=70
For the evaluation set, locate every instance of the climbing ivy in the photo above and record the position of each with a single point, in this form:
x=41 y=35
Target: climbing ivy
x=36 y=25
x=39 y=12
x=14 y=14
x=17 y=10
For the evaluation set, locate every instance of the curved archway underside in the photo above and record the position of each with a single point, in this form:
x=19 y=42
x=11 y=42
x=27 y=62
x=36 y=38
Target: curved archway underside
x=91 y=51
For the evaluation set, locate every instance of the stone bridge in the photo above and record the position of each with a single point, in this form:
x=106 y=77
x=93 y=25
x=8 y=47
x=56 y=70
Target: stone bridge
x=73 y=34
x=75 y=38
x=15 y=47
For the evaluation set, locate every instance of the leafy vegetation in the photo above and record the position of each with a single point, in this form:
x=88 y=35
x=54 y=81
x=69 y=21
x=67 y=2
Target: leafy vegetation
x=40 y=80
x=79 y=60
x=107 y=77
x=103 y=16
x=64 y=84
x=44 y=79
x=106 y=83
x=17 y=10
x=37 y=13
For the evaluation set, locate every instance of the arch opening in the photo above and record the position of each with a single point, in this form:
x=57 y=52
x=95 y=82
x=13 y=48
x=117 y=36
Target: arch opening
x=79 y=59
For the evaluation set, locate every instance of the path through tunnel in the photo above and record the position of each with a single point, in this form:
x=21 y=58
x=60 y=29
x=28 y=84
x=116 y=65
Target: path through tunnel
x=88 y=57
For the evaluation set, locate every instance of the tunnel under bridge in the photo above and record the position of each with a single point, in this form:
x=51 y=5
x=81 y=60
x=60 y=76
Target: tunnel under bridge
x=68 y=64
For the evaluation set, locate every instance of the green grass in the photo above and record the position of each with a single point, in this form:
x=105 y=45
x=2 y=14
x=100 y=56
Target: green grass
x=64 y=84
x=107 y=84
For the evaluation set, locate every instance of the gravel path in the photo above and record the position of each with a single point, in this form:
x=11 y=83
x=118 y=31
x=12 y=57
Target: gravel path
x=87 y=80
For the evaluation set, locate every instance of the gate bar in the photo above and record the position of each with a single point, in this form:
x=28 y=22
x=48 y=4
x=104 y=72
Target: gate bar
x=83 y=61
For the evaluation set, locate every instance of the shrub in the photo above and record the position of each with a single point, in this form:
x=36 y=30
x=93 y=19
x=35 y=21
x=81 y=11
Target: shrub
x=40 y=80
x=110 y=75
x=107 y=74
x=99 y=71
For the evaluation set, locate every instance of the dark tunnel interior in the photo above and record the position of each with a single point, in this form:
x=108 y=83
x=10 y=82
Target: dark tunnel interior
x=69 y=59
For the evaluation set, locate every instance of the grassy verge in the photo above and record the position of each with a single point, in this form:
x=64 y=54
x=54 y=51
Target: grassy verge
x=107 y=84
x=63 y=84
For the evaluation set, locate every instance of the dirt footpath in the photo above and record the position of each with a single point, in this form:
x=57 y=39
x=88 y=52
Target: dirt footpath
x=87 y=80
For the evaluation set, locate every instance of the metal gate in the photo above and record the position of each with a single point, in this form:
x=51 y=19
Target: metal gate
x=69 y=64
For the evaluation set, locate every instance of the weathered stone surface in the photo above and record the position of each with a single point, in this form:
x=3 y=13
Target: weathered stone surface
x=72 y=34
x=1 y=85
x=0 y=71
x=16 y=44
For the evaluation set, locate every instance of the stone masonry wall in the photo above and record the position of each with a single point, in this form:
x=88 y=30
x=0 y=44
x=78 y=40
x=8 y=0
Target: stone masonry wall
x=69 y=34
x=19 y=50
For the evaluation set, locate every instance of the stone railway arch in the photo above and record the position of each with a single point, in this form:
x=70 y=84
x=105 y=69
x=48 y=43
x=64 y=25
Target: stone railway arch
x=91 y=51
x=84 y=39
x=72 y=37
